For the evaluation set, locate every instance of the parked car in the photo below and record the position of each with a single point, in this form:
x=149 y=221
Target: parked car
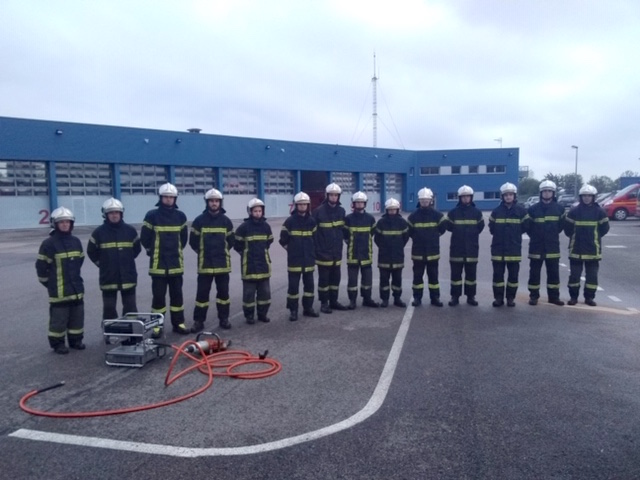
x=532 y=201
x=566 y=200
x=622 y=204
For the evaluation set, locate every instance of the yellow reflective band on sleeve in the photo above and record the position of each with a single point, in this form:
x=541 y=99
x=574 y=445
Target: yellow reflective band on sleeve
x=78 y=296
x=44 y=258
x=337 y=223
x=301 y=233
x=392 y=232
x=584 y=223
x=507 y=220
x=257 y=238
x=359 y=229
x=466 y=222
x=169 y=229
x=214 y=230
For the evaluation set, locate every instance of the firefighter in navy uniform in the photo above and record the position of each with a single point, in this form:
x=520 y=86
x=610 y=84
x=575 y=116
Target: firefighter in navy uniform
x=426 y=225
x=113 y=248
x=546 y=224
x=58 y=267
x=329 y=217
x=465 y=223
x=252 y=241
x=297 y=237
x=358 y=235
x=391 y=235
x=585 y=225
x=212 y=239
x=164 y=235
x=507 y=223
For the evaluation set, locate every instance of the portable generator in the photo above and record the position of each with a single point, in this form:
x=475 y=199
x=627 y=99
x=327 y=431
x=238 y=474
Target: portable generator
x=133 y=332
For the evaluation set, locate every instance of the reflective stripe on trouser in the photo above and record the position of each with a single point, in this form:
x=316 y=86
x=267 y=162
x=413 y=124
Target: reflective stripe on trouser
x=396 y=283
x=110 y=301
x=328 y=283
x=66 y=319
x=204 y=292
x=365 y=284
x=553 y=277
x=470 y=269
x=293 y=292
x=432 y=276
x=513 y=269
x=590 y=274
x=256 y=295
x=176 y=303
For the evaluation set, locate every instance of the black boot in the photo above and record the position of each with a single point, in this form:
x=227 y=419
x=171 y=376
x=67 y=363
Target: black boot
x=293 y=315
x=590 y=301
x=573 y=301
x=384 y=303
x=556 y=301
x=250 y=319
x=337 y=306
x=471 y=300
x=498 y=302
x=416 y=302
x=534 y=300
x=454 y=302
x=61 y=349
x=197 y=327
x=325 y=308
x=224 y=324
x=181 y=328
x=368 y=302
x=262 y=317
x=399 y=303
x=511 y=302
x=436 y=302
x=352 y=304
x=81 y=346
x=310 y=312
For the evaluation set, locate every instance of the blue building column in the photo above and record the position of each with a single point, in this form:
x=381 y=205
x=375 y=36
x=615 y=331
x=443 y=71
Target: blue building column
x=116 y=191
x=53 y=187
x=171 y=174
x=383 y=191
x=217 y=171
x=260 y=185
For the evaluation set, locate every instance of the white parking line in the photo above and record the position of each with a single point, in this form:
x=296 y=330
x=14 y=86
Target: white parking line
x=615 y=246
x=615 y=299
x=631 y=309
x=372 y=406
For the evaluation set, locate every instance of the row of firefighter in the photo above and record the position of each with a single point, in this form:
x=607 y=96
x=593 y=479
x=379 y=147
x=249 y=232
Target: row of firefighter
x=316 y=239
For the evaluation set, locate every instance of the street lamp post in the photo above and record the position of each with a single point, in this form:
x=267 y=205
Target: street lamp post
x=575 y=188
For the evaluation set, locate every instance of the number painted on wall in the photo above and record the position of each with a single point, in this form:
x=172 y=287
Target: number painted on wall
x=376 y=206
x=44 y=220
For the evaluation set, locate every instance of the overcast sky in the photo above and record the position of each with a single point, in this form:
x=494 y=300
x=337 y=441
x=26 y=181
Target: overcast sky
x=541 y=75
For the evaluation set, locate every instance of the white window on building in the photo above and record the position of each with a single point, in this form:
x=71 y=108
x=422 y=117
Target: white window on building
x=490 y=196
x=429 y=170
x=496 y=168
x=142 y=179
x=346 y=180
x=278 y=182
x=372 y=182
x=452 y=196
x=83 y=179
x=195 y=180
x=394 y=184
x=239 y=181
x=23 y=178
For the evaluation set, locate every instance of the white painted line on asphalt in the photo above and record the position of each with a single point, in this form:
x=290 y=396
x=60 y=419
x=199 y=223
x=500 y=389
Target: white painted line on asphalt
x=615 y=299
x=600 y=289
x=372 y=406
x=615 y=246
x=563 y=264
x=634 y=310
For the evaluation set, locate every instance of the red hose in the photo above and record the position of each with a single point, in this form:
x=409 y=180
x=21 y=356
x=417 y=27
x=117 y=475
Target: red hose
x=229 y=360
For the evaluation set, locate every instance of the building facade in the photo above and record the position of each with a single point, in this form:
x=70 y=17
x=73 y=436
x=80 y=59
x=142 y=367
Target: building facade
x=46 y=164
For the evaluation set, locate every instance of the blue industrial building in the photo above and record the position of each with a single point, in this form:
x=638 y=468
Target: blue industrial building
x=45 y=164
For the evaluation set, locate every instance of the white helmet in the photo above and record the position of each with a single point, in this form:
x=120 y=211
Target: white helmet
x=333 y=188
x=425 y=193
x=391 y=204
x=508 y=188
x=588 y=190
x=359 y=197
x=61 y=213
x=465 y=190
x=301 y=198
x=213 y=194
x=112 y=205
x=547 y=185
x=168 y=190
x=254 y=202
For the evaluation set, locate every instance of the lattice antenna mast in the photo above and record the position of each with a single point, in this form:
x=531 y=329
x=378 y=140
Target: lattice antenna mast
x=374 y=81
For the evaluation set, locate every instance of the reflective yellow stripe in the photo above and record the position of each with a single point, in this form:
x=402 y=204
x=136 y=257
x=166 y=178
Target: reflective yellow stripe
x=425 y=225
x=301 y=233
x=116 y=245
x=337 y=223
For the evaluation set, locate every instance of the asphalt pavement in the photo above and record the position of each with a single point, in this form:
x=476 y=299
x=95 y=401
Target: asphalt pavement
x=464 y=392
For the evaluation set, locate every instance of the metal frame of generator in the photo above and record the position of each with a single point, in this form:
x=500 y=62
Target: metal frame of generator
x=133 y=332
